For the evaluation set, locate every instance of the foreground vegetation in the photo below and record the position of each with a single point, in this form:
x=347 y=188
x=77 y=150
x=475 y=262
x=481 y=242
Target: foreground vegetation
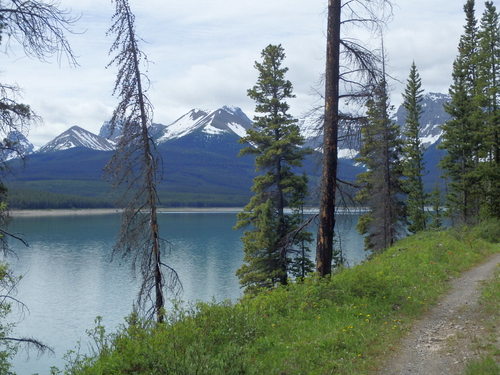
x=344 y=324
x=490 y=301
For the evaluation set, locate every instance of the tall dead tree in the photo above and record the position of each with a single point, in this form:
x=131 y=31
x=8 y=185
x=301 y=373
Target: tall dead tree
x=324 y=247
x=134 y=167
x=350 y=64
x=39 y=27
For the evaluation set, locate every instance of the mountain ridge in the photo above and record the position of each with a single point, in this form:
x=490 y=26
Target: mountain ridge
x=232 y=120
x=200 y=167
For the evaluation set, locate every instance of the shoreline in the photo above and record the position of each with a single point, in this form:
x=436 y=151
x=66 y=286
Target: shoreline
x=163 y=210
x=108 y=211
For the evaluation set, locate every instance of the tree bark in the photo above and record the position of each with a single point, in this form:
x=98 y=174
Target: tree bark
x=150 y=186
x=324 y=247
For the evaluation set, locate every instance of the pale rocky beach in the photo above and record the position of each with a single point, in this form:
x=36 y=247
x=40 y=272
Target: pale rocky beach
x=107 y=211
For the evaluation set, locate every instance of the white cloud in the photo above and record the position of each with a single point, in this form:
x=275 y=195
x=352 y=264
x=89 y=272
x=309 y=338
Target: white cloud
x=202 y=55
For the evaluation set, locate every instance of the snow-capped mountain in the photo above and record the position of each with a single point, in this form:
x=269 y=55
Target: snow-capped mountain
x=78 y=137
x=229 y=120
x=433 y=116
x=224 y=120
x=15 y=140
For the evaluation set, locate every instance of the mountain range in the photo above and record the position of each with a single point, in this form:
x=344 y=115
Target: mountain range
x=200 y=164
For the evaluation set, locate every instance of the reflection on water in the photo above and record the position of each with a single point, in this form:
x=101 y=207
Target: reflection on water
x=68 y=278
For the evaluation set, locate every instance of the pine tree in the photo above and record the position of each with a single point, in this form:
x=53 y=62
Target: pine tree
x=488 y=98
x=437 y=215
x=300 y=263
x=413 y=154
x=275 y=140
x=381 y=190
x=461 y=134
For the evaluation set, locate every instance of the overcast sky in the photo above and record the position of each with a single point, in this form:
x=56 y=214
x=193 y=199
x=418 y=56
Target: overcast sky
x=202 y=54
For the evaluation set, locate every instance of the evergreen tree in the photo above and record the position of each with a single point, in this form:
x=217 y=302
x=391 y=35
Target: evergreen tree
x=413 y=153
x=461 y=134
x=300 y=263
x=275 y=140
x=488 y=98
x=381 y=190
x=437 y=215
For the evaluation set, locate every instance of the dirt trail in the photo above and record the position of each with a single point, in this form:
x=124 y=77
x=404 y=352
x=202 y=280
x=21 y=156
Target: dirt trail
x=442 y=342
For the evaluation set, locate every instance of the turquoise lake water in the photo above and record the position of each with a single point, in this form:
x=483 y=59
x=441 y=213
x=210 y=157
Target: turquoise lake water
x=69 y=280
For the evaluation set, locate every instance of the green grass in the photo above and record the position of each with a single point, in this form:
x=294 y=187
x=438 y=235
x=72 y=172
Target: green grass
x=345 y=324
x=489 y=362
x=484 y=366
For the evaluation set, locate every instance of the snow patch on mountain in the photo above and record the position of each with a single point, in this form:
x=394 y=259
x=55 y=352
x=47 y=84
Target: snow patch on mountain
x=183 y=125
x=347 y=153
x=238 y=129
x=310 y=127
x=209 y=129
x=430 y=139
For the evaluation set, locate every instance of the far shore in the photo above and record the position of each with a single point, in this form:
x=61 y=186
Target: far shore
x=107 y=211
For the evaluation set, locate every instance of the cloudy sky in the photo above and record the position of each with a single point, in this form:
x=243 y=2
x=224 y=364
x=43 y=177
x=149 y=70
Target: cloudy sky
x=202 y=54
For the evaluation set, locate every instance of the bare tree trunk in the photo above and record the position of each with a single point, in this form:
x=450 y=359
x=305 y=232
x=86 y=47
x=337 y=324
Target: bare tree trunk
x=134 y=167
x=324 y=247
x=150 y=186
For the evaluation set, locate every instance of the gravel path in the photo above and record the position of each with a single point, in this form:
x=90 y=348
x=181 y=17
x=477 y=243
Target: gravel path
x=443 y=341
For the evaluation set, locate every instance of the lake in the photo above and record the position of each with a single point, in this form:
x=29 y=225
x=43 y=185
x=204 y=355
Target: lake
x=69 y=280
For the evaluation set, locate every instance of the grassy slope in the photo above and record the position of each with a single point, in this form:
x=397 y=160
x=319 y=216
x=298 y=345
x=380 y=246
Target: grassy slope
x=343 y=325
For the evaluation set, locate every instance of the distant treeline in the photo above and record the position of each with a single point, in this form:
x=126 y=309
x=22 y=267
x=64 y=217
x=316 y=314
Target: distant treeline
x=34 y=199
x=37 y=200
x=27 y=199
